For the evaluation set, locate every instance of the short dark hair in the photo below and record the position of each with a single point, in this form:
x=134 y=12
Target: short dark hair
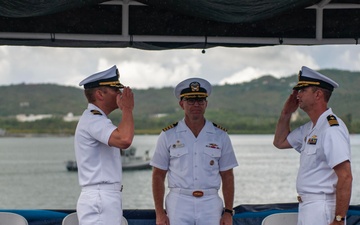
x=89 y=93
x=327 y=93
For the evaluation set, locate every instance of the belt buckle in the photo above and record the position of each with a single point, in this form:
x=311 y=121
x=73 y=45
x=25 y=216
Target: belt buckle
x=299 y=198
x=198 y=194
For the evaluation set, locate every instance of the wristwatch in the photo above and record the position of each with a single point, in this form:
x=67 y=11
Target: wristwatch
x=339 y=218
x=232 y=212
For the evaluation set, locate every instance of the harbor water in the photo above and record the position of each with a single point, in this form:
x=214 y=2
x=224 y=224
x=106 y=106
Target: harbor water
x=33 y=173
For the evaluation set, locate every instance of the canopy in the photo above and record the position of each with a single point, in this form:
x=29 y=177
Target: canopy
x=170 y=24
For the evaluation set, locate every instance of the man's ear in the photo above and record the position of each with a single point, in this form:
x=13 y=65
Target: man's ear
x=319 y=93
x=181 y=104
x=99 y=94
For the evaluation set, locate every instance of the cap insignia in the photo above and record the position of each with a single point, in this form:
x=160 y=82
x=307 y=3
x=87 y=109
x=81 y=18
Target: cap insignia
x=332 y=120
x=170 y=126
x=195 y=86
x=96 y=112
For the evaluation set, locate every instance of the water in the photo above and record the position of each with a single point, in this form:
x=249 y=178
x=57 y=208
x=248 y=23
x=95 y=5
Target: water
x=33 y=173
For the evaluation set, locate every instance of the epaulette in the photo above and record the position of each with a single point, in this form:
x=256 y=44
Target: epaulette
x=332 y=120
x=95 y=112
x=170 y=126
x=220 y=127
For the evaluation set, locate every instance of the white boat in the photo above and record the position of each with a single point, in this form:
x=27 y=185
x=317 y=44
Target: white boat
x=130 y=161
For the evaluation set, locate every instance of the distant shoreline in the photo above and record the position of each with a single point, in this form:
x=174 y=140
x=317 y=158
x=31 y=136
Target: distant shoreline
x=20 y=135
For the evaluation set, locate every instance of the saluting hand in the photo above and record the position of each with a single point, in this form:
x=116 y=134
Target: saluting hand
x=125 y=100
x=291 y=104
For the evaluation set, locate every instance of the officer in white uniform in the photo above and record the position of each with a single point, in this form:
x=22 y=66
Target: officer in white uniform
x=324 y=178
x=197 y=155
x=97 y=148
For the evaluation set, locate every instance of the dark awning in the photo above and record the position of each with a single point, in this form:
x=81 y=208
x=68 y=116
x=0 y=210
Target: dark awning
x=169 y=24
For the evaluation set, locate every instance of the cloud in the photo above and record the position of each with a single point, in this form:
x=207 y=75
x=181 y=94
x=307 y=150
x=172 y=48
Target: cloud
x=253 y=63
x=348 y=60
x=5 y=65
x=144 y=69
x=244 y=75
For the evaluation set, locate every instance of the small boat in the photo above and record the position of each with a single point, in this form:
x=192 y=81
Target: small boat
x=71 y=165
x=129 y=159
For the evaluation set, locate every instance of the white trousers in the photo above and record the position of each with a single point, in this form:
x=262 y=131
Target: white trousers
x=99 y=207
x=189 y=210
x=316 y=212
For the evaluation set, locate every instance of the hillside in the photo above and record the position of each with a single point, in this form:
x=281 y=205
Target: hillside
x=242 y=106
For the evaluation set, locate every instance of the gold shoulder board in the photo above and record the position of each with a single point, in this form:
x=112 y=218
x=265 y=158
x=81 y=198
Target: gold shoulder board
x=96 y=112
x=332 y=120
x=170 y=126
x=220 y=127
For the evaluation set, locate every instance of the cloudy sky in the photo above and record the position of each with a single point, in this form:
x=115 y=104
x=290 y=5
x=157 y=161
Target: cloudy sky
x=156 y=69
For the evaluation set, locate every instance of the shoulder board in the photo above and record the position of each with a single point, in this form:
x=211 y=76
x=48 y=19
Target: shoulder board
x=220 y=127
x=332 y=120
x=170 y=126
x=95 y=112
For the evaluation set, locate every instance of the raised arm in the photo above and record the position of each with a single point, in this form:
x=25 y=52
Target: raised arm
x=283 y=125
x=122 y=136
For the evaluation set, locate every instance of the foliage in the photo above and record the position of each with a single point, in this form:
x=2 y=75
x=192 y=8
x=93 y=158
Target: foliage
x=250 y=107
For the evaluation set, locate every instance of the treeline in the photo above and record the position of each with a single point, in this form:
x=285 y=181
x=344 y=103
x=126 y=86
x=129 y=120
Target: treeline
x=234 y=124
x=250 y=107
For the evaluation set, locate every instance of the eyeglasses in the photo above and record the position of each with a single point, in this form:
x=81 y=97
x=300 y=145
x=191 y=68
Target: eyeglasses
x=191 y=101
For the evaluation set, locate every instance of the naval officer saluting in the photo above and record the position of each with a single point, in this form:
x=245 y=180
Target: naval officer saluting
x=97 y=148
x=196 y=155
x=324 y=179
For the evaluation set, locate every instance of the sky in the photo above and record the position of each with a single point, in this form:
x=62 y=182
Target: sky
x=141 y=69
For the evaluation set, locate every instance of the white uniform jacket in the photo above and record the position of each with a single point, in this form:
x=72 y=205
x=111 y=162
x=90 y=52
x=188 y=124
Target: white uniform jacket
x=322 y=147
x=97 y=162
x=194 y=162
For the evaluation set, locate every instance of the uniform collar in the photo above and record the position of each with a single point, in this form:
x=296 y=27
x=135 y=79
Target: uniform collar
x=323 y=117
x=92 y=106
x=209 y=127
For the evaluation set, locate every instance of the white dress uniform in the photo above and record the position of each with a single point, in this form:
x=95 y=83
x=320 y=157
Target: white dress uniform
x=99 y=165
x=193 y=165
x=322 y=147
x=99 y=170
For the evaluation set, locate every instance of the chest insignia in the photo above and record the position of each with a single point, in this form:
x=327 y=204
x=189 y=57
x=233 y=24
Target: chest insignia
x=332 y=121
x=312 y=140
x=170 y=126
x=178 y=144
x=212 y=145
x=95 y=112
